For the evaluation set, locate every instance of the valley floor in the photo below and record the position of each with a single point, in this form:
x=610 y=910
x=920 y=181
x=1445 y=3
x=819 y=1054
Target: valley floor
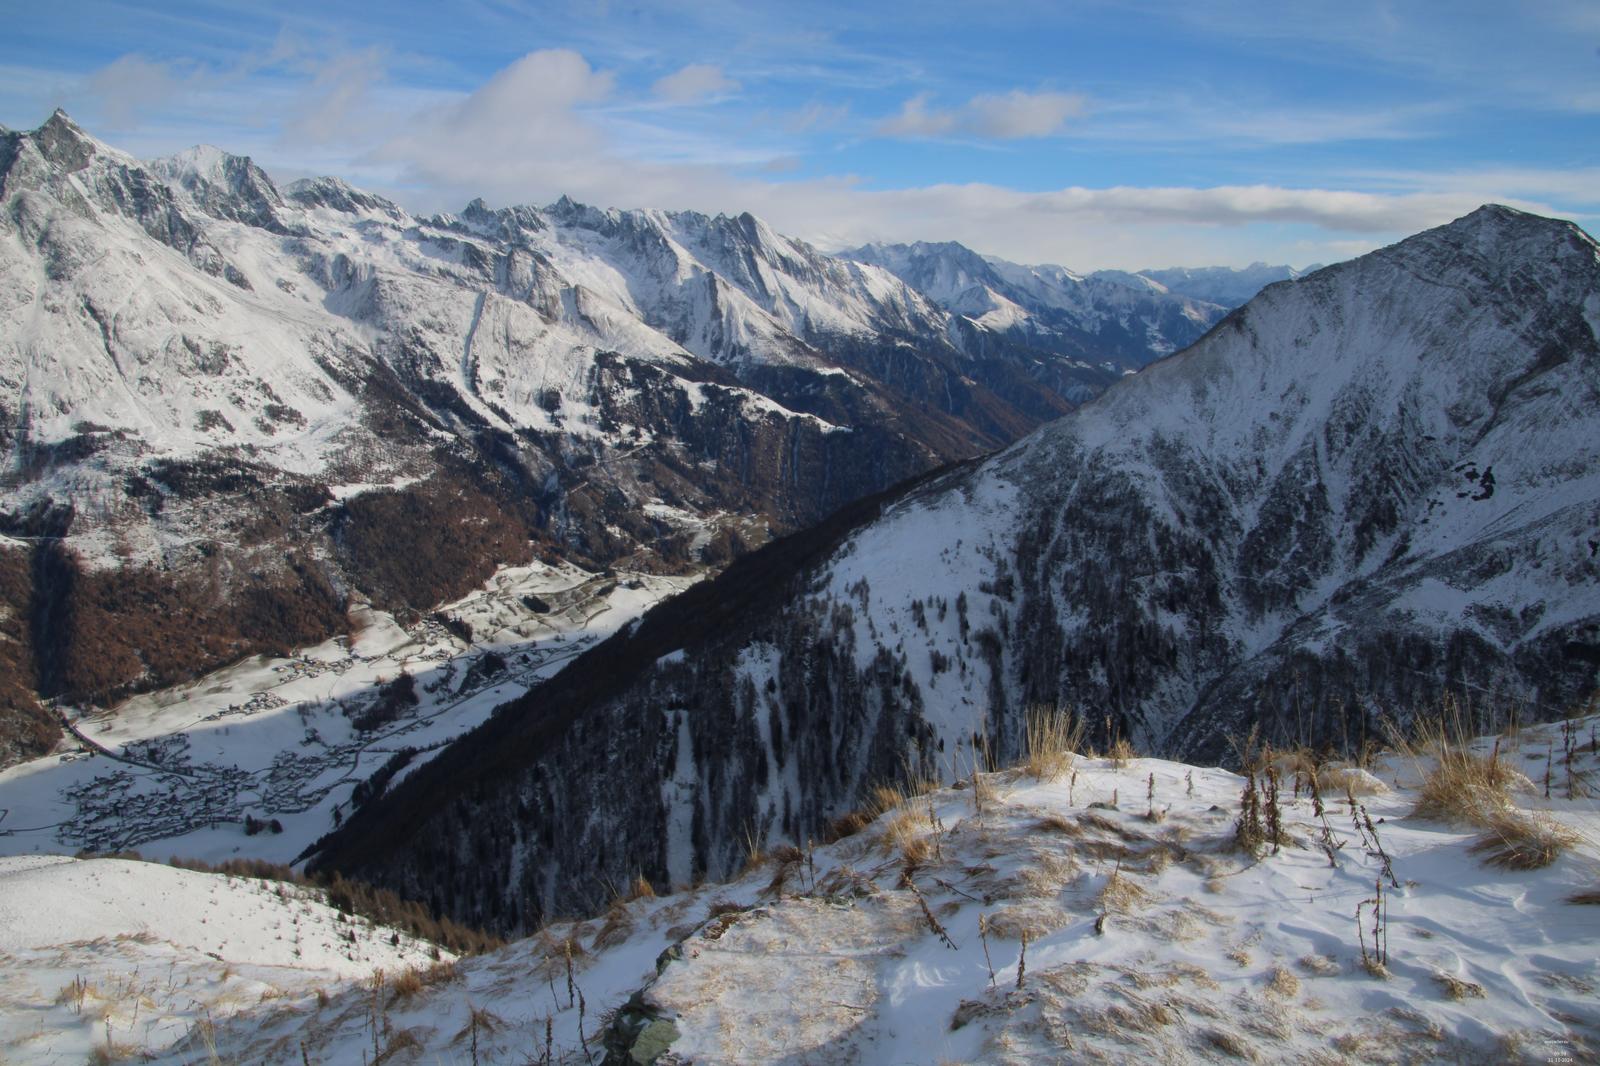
x=183 y=771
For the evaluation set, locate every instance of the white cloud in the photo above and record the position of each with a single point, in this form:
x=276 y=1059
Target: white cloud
x=339 y=100
x=915 y=120
x=537 y=129
x=1019 y=114
x=1007 y=116
x=520 y=130
x=130 y=88
x=693 y=83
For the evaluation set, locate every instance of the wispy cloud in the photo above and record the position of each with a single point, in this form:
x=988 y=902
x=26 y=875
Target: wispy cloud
x=1007 y=116
x=694 y=83
x=131 y=88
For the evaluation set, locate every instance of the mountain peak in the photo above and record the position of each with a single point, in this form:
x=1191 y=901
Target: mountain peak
x=64 y=143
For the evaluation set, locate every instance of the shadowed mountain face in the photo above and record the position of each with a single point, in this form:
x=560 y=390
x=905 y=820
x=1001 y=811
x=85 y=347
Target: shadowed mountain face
x=1362 y=492
x=227 y=409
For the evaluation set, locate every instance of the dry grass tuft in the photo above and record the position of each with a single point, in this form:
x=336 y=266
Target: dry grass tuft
x=1591 y=898
x=1282 y=983
x=1121 y=752
x=618 y=926
x=905 y=834
x=1319 y=965
x=1054 y=737
x=1456 y=988
x=1059 y=823
x=479 y=1020
x=1043 y=877
x=1514 y=840
x=847 y=825
x=885 y=798
x=405 y=985
x=1033 y=920
x=1463 y=786
x=1121 y=894
x=1229 y=1044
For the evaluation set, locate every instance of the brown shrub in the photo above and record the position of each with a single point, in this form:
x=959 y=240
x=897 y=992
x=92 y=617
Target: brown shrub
x=1513 y=840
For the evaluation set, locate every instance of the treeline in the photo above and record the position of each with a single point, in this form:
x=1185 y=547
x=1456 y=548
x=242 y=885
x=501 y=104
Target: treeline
x=101 y=635
x=27 y=729
x=358 y=899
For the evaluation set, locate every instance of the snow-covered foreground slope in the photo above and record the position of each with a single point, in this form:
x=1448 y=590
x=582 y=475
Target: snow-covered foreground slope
x=1027 y=921
x=118 y=958
x=291 y=740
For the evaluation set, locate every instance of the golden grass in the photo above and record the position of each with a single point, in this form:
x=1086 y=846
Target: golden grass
x=1031 y=920
x=1054 y=738
x=1059 y=823
x=1120 y=893
x=1466 y=787
x=1319 y=965
x=1349 y=780
x=1121 y=752
x=1515 y=840
x=905 y=834
x=1229 y=1044
x=1456 y=988
x=1283 y=983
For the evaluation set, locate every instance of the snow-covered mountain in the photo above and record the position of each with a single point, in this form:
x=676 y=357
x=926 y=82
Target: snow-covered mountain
x=227 y=410
x=1119 y=319
x=1226 y=286
x=1361 y=493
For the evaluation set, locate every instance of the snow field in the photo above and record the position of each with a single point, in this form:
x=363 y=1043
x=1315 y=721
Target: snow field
x=1061 y=922
x=113 y=957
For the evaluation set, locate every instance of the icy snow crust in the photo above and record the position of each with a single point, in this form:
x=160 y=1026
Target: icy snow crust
x=1147 y=939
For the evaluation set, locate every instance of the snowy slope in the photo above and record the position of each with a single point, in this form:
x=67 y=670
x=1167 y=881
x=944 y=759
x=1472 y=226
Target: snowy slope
x=197 y=368
x=1393 y=449
x=1362 y=493
x=112 y=957
x=1031 y=920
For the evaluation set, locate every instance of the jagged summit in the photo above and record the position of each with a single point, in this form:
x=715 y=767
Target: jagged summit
x=1125 y=320
x=336 y=194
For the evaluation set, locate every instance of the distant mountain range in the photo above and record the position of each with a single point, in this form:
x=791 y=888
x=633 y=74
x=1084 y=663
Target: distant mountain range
x=229 y=409
x=1122 y=320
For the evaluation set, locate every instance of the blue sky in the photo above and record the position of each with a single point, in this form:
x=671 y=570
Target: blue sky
x=1094 y=134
